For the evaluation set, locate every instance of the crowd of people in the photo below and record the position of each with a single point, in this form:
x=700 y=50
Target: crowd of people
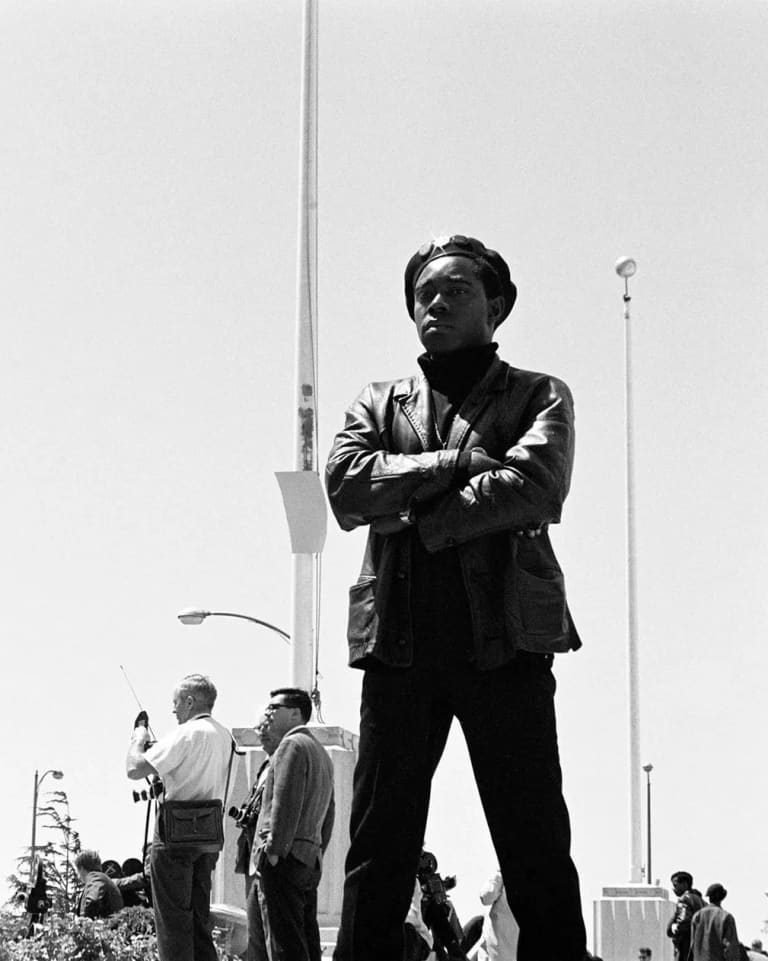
x=702 y=930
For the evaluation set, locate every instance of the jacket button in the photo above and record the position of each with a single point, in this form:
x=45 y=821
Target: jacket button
x=402 y=641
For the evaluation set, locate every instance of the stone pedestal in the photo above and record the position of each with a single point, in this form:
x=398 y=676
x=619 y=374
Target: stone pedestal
x=228 y=887
x=629 y=917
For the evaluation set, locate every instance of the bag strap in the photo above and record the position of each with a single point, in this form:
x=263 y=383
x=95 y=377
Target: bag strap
x=229 y=771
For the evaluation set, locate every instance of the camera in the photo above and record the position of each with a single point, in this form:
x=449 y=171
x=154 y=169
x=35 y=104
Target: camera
x=434 y=887
x=245 y=816
x=154 y=791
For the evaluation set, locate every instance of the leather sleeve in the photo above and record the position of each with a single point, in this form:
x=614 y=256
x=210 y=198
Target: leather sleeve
x=529 y=490
x=365 y=481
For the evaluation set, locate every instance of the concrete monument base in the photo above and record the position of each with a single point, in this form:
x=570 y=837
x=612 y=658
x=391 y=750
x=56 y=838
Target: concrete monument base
x=228 y=887
x=630 y=917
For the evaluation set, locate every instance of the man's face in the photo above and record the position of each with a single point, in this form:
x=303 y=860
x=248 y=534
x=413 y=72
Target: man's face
x=269 y=740
x=183 y=705
x=281 y=718
x=451 y=309
x=679 y=886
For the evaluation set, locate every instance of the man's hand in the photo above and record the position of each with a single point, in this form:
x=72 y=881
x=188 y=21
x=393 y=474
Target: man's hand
x=136 y=766
x=392 y=524
x=140 y=737
x=480 y=462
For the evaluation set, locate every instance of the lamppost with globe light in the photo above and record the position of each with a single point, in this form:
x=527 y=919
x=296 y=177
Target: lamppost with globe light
x=648 y=768
x=626 y=267
x=58 y=775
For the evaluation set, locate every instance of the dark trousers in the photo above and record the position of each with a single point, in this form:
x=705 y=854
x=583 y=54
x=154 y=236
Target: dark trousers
x=181 y=894
x=289 y=899
x=257 y=936
x=508 y=720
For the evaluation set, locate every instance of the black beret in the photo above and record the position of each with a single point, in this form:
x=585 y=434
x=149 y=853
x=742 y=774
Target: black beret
x=460 y=246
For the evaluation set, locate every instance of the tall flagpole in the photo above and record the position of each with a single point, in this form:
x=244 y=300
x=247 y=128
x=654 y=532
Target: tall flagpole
x=305 y=426
x=625 y=268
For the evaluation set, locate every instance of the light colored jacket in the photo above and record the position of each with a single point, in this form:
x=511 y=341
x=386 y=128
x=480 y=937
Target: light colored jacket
x=297 y=809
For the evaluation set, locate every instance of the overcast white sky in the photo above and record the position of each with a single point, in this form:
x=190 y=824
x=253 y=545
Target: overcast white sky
x=148 y=226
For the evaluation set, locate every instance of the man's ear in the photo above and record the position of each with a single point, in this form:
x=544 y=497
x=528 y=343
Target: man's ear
x=495 y=310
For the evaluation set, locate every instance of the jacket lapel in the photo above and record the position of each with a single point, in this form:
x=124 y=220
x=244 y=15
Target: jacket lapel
x=415 y=401
x=476 y=401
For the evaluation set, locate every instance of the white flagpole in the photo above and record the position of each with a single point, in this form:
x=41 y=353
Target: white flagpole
x=305 y=426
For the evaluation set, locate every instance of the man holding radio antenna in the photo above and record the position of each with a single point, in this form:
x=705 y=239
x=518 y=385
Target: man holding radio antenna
x=195 y=762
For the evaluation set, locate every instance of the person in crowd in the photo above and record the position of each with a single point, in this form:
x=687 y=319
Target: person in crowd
x=713 y=930
x=293 y=829
x=418 y=938
x=16 y=906
x=644 y=954
x=689 y=901
x=194 y=762
x=133 y=884
x=100 y=897
x=460 y=605
x=498 y=941
x=757 y=947
x=245 y=863
x=38 y=902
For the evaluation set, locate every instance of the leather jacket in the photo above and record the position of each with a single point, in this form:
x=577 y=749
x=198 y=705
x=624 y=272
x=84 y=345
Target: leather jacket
x=387 y=470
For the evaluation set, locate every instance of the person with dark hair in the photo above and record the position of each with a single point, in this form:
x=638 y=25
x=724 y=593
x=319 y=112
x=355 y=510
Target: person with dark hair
x=689 y=901
x=460 y=605
x=644 y=954
x=293 y=829
x=194 y=762
x=713 y=930
x=100 y=896
x=258 y=936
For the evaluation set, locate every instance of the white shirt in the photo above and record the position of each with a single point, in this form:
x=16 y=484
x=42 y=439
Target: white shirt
x=500 y=930
x=193 y=760
x=415 y=918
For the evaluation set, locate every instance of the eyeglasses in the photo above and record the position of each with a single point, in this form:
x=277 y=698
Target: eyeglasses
x=271 y=708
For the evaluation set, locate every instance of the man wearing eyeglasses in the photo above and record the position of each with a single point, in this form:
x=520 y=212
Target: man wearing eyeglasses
x=459 y=607
x=293 y=829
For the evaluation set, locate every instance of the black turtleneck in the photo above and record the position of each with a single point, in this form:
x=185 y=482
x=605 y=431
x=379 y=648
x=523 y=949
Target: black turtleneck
x=451 y=377
x=442 y=624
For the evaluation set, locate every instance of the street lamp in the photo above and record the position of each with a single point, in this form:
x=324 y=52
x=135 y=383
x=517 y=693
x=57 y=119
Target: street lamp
x=192 y=615
x=648 y=768
x=58 y=775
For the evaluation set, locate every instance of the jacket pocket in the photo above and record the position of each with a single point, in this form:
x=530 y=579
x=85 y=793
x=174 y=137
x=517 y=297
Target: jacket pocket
x=542 y=602
x=363 y=621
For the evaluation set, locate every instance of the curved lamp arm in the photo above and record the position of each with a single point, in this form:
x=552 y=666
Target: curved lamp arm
x=195 y=616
